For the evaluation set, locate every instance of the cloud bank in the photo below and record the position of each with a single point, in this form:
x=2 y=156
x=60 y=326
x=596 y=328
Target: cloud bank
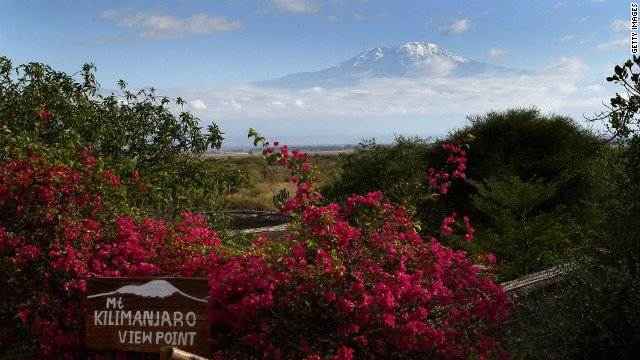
x=379 y=107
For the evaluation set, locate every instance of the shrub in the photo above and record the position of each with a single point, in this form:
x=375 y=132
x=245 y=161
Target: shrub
x=598 y=315
x=63 y=222
x=357 y=281
x=520 y=143
x=353 y=282
x=523 y=142
x=135 y=129
x=525 y=238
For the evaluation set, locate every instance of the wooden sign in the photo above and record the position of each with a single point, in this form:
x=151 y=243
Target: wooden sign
x=145 y=314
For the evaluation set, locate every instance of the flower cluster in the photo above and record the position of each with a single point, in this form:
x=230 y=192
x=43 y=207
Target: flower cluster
x=439 y=181
x=349 y=282
x=357 y=282
x=59 y=226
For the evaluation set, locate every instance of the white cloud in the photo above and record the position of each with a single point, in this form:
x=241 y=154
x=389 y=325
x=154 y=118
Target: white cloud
x=161 y=26
x=333 y=18
x=621 y=25
x=296 y=6
x=379 y=107
x=158 y=22
x=567 y=38
x=278 y=105
x=565 y=66
x=457 y=27
x=108 y=14
x=438 y=66
x=169 y=27
x=495 y=53
x=198 y=104
x=132 y=19
x=359 y=17
x=229 y=104
x=613 y=44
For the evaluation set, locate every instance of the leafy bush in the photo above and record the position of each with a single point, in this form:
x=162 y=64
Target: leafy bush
x=353 y=282
x=598 y=313
x=525 y=238
x=520 y=143
x=357 y=281
x=523 y=142
x=135 y=129
x=399 y=169
x=63 y=222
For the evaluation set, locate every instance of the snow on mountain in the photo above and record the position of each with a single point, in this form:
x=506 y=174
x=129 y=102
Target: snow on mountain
x=410 y=60
x=408 y=53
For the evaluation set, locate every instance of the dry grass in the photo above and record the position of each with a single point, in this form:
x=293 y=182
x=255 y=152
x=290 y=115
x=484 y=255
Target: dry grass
x=259 y=197
x=267 y=180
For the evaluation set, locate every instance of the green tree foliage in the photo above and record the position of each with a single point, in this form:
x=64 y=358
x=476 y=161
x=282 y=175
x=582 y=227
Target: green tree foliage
x=525 y=239
x=525 y=143
x=521 y=142
x=373 y=166
x=598 y=316
x=131 y=130
x=620 y=116
x=399 y=169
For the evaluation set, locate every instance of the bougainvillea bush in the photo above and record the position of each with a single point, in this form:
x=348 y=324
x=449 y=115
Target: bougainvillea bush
x=354 y=282
x=350 y=282
x=62 y=222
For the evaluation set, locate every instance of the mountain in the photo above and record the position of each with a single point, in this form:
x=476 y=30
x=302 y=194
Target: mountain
x=410 y=60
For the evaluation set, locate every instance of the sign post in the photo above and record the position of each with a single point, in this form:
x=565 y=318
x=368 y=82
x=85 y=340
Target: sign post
x=145 y=314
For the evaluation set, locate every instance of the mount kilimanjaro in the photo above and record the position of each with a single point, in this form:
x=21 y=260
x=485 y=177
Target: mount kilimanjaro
x=410 y=60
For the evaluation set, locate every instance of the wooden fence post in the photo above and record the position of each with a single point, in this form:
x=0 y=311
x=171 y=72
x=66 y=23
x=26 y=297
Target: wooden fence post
x=173 y=353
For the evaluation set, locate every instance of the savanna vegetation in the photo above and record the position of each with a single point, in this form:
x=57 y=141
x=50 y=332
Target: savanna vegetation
x=394 y=251
x=527 y=177
x=264 y=185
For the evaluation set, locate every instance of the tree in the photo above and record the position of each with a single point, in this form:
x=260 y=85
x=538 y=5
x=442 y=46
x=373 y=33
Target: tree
x=524 y=238
x=597 y=316
x=399 y=169
x=620 y=116
x=132 y=130
x=525 y=143
x=522 y=143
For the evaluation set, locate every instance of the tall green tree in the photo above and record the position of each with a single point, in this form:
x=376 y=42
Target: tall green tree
x=526 y=143
x=524 y=238
x=130 y=130
x=523 y=143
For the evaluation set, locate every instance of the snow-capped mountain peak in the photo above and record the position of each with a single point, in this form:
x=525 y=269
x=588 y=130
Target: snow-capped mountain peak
x=420 y=50
x=405 y=54
x=409 y=60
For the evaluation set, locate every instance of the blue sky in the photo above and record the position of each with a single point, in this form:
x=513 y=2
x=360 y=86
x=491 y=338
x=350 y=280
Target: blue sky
x=209 y=51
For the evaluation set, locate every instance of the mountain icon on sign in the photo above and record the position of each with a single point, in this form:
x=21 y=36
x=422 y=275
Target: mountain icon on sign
x=152 y=289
